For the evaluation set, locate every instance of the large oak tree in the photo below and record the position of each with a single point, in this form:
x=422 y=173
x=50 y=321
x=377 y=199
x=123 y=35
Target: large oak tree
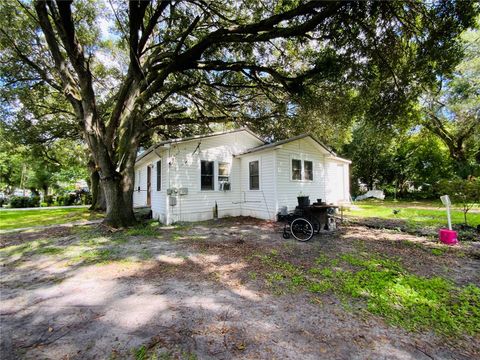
x=196 y=62
x=452 y=110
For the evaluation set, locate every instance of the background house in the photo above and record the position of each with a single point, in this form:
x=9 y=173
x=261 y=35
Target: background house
x=183 y=179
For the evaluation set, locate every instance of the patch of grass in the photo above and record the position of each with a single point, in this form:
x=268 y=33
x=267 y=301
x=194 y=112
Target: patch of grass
x=150 y=352
x=321 y=259
x=383 y=287
x=197 y=237
x=183 y=226
x=145 y=254
x=140 y=353
x=96 y=256
x=413 y=214
x=16 y=250
x=50 y=250
x=17 y=219
x=30 y=248
x=177 y=236
x=438 y=251
x=150 y=229
x=320 y=286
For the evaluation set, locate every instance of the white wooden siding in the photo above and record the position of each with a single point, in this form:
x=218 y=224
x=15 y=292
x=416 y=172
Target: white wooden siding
x=259 y=203
x=182 y=170
x=158 y=198
x=288 y=189
x=338 y=182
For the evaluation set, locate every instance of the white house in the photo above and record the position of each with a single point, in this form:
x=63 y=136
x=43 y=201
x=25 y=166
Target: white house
x=238 y=174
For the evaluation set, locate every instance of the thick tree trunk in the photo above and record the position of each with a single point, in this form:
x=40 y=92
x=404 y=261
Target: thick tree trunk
x=116 y=180
x=119 y=208
x=98 y=194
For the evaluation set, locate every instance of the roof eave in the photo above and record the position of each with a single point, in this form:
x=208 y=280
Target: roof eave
x=193 y=138
x=272 y=146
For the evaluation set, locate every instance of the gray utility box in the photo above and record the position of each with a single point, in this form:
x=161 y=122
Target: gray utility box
x=183 y=191
x=171 y=191
x=172 y=200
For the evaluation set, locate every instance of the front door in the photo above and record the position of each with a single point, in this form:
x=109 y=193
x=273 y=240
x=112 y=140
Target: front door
x=149 y=186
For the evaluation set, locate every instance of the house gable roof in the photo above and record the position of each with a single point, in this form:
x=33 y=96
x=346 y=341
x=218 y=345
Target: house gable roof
x=281 y=142
x=197 y=137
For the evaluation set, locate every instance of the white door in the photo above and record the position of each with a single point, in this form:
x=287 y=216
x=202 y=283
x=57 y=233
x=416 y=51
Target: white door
x=340 y=188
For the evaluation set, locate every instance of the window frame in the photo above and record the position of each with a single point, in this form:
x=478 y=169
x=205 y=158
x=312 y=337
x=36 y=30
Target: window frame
x=292 y=169
x=158 y=170
x=220 y=163
x=304 y=173
x=302 y=158
x=139 y=178
x=250 y=175
x=212 y=175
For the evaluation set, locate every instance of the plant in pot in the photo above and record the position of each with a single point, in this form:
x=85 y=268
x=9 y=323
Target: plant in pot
x=303 y=200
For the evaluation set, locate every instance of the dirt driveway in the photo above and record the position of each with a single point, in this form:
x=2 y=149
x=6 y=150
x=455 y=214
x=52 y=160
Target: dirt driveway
x=206 y=291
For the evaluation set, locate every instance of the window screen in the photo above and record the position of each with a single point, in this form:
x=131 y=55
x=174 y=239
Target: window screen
x=307 y=170
x=207 y=175
x=296 y=169
x=254 y=175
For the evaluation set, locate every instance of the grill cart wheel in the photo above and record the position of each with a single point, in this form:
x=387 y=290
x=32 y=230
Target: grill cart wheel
x=302 y=229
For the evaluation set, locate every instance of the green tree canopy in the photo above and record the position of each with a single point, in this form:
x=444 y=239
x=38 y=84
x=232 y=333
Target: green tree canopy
x=174 y=63
x=452 y=110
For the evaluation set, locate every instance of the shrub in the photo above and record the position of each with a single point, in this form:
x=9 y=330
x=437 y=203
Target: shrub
x=465 y=192
x=34 y=201
x=86 y=199
x=24 y=201
x=48 y=200
x=66 y=200
x=18 y=201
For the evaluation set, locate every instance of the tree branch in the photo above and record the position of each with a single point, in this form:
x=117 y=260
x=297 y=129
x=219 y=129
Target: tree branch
x=70 y=86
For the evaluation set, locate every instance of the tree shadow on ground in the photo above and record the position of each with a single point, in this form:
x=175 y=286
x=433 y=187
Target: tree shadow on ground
x=193 y=294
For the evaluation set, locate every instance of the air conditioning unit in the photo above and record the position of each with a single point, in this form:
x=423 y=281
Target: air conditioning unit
x=225 y=185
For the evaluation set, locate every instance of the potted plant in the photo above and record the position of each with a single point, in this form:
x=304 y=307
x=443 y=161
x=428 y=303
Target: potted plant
x=303 y=200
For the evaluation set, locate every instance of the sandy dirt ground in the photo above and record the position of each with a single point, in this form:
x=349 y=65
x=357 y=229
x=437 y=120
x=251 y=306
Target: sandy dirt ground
x=194 y=296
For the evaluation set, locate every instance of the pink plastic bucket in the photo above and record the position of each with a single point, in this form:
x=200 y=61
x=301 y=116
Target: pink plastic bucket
x=448 y=237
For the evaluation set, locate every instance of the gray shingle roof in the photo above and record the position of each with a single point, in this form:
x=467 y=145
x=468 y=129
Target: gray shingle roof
x=277 y=143
x=179 y=140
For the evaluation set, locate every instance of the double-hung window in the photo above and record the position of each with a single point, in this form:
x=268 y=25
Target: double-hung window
x=307 y=170
x=254 y=175
x=206 y=177
x=302 y=170
x=296 y=169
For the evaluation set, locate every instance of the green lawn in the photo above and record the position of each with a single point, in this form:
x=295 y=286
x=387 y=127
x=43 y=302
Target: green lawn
x=416 y=214
x=15 y=219
x=387 y=289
